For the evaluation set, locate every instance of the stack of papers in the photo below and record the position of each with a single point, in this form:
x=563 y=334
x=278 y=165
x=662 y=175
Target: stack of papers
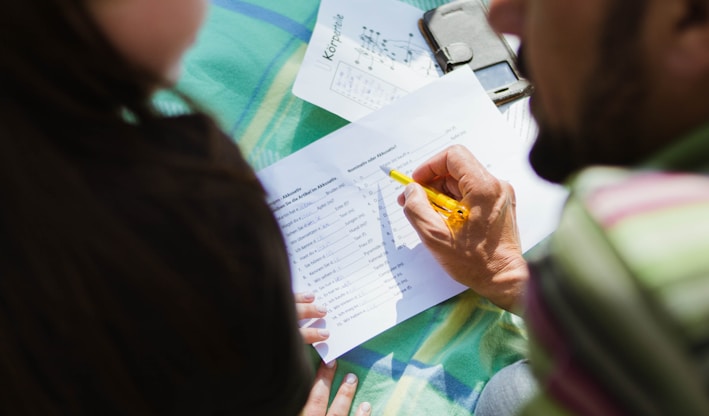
x=348 y=240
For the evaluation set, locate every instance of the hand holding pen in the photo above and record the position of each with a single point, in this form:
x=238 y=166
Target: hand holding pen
x=453 y=210
x=482 y=250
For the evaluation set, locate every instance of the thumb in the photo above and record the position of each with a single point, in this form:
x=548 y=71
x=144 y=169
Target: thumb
x=419 y=212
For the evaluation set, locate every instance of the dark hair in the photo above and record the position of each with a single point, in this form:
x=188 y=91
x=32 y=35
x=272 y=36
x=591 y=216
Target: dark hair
x=136 y=275
x=55 y=57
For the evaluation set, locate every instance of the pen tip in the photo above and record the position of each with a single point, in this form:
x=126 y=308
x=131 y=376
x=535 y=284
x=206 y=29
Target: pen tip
x=385 y=169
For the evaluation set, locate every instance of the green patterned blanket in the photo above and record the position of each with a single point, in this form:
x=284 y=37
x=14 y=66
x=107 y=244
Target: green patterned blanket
x=242 y=70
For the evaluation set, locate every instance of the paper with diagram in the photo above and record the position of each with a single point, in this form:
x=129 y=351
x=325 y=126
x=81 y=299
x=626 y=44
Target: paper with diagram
x=348 y=240
x=364 y=54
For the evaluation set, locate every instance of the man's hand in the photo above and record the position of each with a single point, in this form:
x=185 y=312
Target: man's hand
x=484 y=252
x=341 y=404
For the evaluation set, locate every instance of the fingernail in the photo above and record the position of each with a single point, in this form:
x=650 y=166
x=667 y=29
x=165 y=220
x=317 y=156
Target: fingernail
x=330 y=364
x=321 y=308
x=308 y=296
x=324 y=333
x=365 y=407
x=350 y=378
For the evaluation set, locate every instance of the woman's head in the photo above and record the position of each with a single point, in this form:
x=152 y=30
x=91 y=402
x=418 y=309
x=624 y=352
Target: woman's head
x=129 y=252
x=153 y=34
x=85 y=57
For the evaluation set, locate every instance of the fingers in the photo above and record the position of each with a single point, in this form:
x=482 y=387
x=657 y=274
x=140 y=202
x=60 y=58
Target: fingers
x=304 y=297
x=454 y=161
x=428 y=223
x=306 y=309
x=341 y=404
x=320 y=393
x=313 y=335
x=457 y=172
x=364 y=409
x=483 y=252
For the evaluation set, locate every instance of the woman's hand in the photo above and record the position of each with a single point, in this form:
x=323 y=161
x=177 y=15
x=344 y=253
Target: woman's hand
x=341 y=404
x=306 y=309
x=320 y=393
x=484 y=251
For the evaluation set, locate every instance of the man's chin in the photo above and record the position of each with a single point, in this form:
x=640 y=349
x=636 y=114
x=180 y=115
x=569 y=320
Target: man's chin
x=550 y=157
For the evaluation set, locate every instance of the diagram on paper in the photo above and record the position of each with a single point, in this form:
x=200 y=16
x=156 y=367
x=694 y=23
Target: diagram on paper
x=363 y=87
x=359 y=80
x=375 y=49
x=364 y=55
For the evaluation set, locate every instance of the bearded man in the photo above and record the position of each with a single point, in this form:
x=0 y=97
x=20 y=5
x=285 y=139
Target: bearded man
x=615 y=299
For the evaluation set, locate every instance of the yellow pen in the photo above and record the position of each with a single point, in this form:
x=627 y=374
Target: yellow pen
x=443 y=203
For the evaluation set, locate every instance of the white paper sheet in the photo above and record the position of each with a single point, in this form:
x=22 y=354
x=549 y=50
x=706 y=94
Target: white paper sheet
x=347 y=237
x=364 y=54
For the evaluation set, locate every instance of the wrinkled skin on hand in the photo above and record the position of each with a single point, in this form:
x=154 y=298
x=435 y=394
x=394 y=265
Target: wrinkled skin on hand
x=483 y=252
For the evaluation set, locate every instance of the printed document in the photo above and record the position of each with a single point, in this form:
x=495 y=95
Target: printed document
x=348 y=240
x=358 y=60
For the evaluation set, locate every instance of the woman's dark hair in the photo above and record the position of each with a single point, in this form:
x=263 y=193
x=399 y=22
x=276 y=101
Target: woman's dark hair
x=133 y=279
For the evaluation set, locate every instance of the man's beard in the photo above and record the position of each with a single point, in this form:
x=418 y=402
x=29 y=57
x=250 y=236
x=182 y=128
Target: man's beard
x=610 y=127
x=607 y=134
